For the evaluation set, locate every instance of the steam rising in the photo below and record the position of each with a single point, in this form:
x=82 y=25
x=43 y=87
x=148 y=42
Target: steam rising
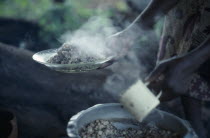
x=125 y=72
x=92 y=37
x=99 y=38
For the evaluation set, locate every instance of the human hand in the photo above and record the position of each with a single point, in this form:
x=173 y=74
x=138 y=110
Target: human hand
x=125 y=86
x=172 y=75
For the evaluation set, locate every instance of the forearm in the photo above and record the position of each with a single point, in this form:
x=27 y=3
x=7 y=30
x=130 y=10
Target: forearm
x=200 y=54
x=155 y=10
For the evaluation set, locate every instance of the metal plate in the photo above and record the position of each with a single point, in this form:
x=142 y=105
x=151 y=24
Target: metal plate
x=114 y=111
x=43 y=57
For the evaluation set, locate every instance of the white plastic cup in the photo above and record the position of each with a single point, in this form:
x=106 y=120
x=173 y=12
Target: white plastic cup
x=139 y=100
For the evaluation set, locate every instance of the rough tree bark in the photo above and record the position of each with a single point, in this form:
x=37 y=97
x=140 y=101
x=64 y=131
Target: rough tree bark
x=43 y=100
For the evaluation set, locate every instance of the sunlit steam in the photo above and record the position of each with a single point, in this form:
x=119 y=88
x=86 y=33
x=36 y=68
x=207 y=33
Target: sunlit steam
x=97 y=38
x=92 y=37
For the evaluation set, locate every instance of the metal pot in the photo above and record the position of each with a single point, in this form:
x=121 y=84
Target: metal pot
x=115 y=111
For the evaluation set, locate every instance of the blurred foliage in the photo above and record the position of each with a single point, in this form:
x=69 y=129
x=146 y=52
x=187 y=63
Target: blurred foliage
x=56 y=18
x=26 y=9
